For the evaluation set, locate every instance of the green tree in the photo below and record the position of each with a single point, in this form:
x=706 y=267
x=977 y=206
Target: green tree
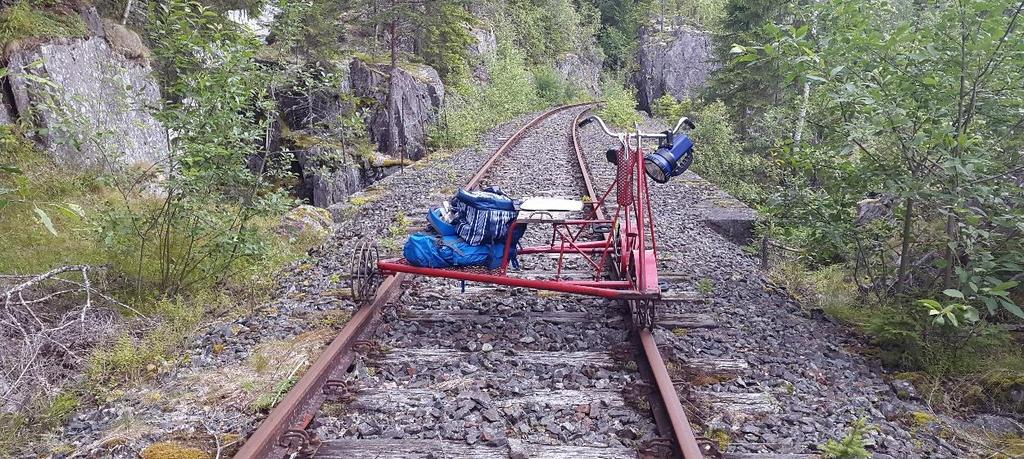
x=201 y=227
x=444 y=39
x=749 y=87
x=926 y=109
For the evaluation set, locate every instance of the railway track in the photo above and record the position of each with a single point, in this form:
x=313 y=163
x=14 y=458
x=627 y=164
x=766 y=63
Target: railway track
x=430 y=368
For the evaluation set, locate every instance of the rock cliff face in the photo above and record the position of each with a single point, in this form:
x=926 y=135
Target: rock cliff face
x=90 y=105
x=583 y=71
x=418 y=95
x=484 y=48
x=675 y=62
x=329 y=176
x=6 y=108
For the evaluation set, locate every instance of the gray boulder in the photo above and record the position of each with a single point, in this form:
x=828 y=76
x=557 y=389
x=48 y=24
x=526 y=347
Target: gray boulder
x=676 y=62
x=306 y=222
x=991 y=424
x=306 y=109
x=90 y=104
x=418 y=95
x=878 y=207
x=329 y=175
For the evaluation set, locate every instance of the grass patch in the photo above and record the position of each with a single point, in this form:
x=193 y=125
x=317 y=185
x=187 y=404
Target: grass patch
x=396 y=233
x=132 y=358
x=18 y=429
x=35 y=182
x=24 y=20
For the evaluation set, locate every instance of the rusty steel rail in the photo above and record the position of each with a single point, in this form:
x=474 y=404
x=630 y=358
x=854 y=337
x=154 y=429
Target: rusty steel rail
x=283 y=430
x=482 y=172
x=685 y=441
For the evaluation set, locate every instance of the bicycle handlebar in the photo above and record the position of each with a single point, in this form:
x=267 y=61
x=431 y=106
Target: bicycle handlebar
x=640 y=134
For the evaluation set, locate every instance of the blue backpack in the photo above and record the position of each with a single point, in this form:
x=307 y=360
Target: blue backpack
x=423 y=250
x=483 y=217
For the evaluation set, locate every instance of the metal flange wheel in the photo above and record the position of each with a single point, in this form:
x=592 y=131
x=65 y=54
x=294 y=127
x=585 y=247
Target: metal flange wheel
x=364 y=276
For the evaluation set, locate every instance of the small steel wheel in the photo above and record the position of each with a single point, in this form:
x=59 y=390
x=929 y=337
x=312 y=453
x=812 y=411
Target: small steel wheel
x=364 y=275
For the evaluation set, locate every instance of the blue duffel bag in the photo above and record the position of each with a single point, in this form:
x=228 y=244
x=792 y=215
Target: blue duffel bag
x=460 y=253
x=430 y=251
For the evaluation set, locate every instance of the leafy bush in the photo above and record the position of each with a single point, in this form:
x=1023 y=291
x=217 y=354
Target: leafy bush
x=203 y=229
x=545 y=29
x=469 y=110
x=619 y=107
x=22 y=21
x=719 y=154
x=553 y=89
x=721 y=159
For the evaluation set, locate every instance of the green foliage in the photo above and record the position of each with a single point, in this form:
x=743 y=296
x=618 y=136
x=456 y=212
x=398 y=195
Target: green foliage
x=619 y=107
x=889 y=131
x=25 y=20
x=204 y=229
x=720 y=158
x=703 y=14
x=705 y=286
x=46 y=413
x=470 y=110
x=307 y=30
x=751 y=87
x=553 y=89
x=546 y=29
x=446 y=40
x=619 y=21
x=851 y=446
x=133 y=357
x=31 y=186
x=669 y=109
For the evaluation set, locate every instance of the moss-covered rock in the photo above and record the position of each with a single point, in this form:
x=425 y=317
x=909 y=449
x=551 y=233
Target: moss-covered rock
x=306 y=222
x=24 y=22
x=173 y=450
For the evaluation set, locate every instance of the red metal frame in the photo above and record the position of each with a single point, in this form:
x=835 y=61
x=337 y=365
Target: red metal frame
x=633 y=223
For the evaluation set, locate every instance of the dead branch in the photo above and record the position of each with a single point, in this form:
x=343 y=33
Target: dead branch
x=48 y=322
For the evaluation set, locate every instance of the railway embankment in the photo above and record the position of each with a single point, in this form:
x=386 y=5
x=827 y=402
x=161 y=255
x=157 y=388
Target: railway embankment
x=758 y=375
